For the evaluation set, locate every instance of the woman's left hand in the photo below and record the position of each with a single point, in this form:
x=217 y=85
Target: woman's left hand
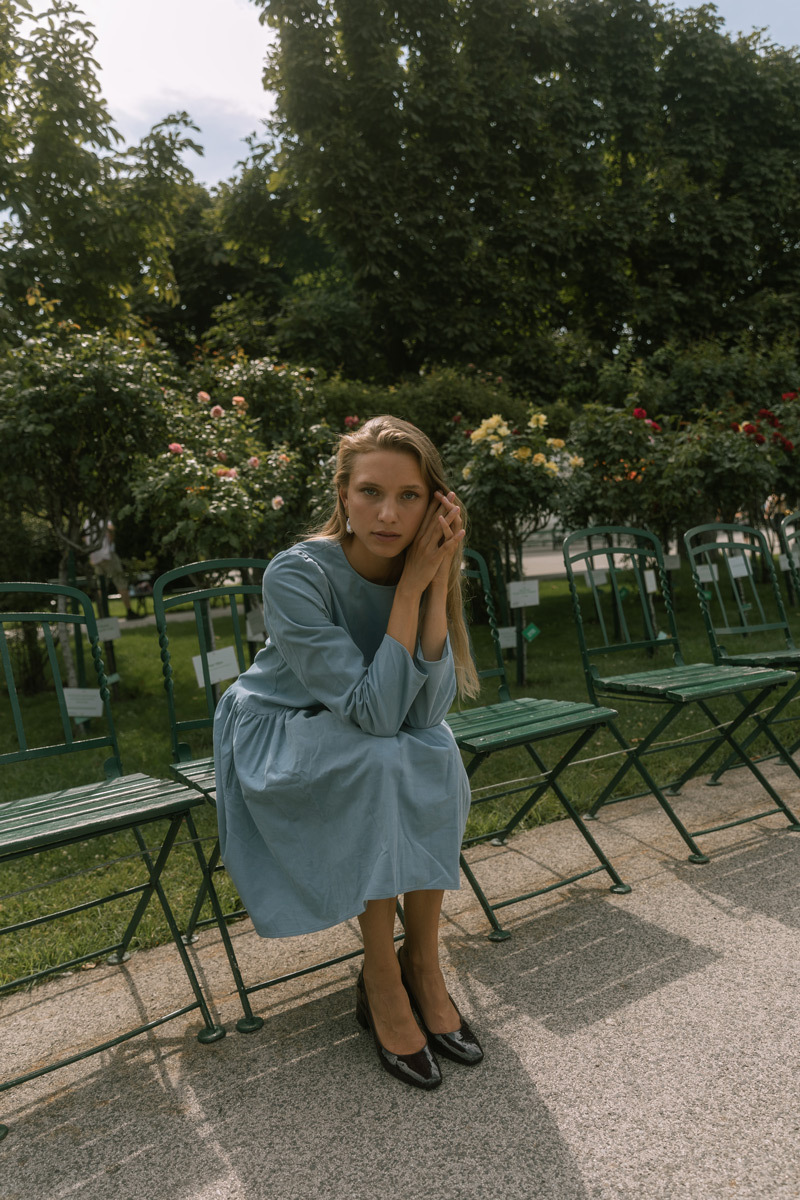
x=452 y=533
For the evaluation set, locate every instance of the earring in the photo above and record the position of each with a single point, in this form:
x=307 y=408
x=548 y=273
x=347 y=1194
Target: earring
x=348 y=526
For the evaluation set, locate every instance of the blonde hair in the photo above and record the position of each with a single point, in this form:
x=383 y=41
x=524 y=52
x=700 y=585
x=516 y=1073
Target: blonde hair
x=391 y=433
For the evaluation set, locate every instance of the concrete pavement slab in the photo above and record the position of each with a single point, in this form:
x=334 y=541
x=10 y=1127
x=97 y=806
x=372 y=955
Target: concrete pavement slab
x=640 y=1046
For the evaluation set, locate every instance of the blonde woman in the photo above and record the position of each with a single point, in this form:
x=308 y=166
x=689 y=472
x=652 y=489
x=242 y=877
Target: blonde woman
x=339 y=786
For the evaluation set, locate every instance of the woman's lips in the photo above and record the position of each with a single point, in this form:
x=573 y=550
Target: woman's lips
x=387 y=537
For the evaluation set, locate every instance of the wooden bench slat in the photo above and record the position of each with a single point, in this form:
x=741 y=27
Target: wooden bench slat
x=93 y=809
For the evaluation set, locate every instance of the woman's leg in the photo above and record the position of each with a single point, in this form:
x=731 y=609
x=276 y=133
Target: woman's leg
x=421 y=960
x=392 y=1017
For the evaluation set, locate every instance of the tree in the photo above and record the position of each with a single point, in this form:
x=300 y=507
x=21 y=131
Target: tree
x=85 y=223
x=498 y=177
x=74 y=410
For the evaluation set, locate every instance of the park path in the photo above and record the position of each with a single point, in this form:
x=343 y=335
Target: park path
x=639 y=1047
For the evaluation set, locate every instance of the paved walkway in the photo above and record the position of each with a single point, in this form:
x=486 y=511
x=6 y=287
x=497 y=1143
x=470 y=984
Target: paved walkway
x=637 y=1046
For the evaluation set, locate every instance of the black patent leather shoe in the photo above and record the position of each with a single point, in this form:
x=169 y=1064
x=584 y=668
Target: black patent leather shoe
x=461 y=1046
x=419 y=1069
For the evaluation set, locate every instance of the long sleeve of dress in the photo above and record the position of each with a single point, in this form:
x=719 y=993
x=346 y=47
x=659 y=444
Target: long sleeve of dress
x=300 y=614
x=432 y=702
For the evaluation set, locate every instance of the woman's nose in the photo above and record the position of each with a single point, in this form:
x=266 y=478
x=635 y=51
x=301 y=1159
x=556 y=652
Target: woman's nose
x=388 y=511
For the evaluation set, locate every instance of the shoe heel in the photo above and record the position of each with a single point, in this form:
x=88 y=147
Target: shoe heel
x=361 y=1004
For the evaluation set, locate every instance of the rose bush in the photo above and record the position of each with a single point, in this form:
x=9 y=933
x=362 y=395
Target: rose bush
x=216 y=489
x=510 y=478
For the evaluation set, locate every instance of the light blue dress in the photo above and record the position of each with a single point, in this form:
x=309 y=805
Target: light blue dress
x=338 y=781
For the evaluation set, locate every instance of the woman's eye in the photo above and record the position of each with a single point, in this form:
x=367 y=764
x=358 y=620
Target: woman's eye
x=369 y=491
x=411 y=496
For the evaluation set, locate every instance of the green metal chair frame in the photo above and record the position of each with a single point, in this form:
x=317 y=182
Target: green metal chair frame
x=238 y=597
x=622 y=632
x=740 y=599
x=527 y=723
x=32 y=825
x=789 y=535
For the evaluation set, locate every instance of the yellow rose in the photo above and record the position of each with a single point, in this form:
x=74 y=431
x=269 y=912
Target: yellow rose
x=523 y=453
x=478 y=434
x=538 y=460
x=556 y=443
x=496 y=448
x=537 y=421
x=575 y=460
x=503 y=430
x=466 y=472
x=493 y=421
x=552 y=467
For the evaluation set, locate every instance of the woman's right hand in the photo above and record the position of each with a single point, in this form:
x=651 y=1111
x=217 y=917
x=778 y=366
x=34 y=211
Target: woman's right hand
x=429 y=555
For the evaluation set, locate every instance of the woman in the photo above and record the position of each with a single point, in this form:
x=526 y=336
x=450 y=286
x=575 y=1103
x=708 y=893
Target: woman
x=339 y=787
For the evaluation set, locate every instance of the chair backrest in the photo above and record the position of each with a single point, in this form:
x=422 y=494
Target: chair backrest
x=789 y=533
x=224 y=628
x=736 y=584
x=475 y=568
x=620 y=594
x=44 y=616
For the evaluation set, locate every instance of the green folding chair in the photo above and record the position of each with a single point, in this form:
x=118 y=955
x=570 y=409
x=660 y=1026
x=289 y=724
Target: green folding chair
x=624 y=611
x=530 y=724
x=217 y=608
x=744 y=615
x=136 y=804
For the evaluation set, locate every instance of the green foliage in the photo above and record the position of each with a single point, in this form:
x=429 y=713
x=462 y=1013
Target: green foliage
x=494 y=176
x=670 y=477
x=511 y=480
x=677 y=380
x=83 y=223
x=75 y=408
x=218 y=488
x=620 y=452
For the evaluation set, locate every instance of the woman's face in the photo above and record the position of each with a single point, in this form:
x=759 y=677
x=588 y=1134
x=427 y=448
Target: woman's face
x=386 y=500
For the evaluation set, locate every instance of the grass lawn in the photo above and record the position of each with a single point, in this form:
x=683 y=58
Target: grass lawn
x=140 y=712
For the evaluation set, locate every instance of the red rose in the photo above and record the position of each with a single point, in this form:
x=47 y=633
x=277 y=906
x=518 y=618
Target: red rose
x=640 y=414
x=760 y=439
x=654 y=425
x=789 y=396
x=735 y=426
x=748 y=427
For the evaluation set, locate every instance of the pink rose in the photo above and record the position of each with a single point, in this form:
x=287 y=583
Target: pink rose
x=217 y=410
x=222 y=455
x=175 y=448
x=253 y=462
x=277 y=502
x=221 y=472
x=351 y=422
x=239 y=402
x=203 y=397
x=233 y=472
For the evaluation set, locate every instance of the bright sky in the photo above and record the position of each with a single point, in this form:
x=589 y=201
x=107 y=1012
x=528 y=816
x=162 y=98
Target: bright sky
x=206 y=57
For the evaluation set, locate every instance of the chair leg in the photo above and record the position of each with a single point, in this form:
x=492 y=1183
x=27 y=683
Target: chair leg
x=634 y=759
x=619 y=886
x=728 y=734
x=498 y=934
x=212 y=1032
x=764 y=726
x=249 y=1023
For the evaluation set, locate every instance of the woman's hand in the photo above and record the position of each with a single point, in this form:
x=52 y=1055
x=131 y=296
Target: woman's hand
x=429 y=556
